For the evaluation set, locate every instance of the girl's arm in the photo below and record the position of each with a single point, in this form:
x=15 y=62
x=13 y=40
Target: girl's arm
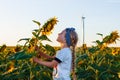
x=51 y=64
x=42 y=54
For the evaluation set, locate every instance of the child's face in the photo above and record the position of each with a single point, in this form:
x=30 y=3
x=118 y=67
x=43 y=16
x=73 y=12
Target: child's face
x=61 y=37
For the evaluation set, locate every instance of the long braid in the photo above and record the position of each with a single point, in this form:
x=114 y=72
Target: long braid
x=73 y=63
x=74 y=39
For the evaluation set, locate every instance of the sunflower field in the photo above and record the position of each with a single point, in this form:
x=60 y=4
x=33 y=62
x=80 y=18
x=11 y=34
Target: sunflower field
x=98 y=62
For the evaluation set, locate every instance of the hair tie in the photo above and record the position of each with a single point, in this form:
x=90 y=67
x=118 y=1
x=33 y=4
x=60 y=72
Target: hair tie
x=67 y=36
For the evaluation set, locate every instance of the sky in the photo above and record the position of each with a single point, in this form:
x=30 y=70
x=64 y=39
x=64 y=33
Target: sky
x=101 y=16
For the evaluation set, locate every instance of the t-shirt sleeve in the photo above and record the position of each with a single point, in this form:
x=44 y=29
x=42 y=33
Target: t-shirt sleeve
x=59 y=56
x=58 y=60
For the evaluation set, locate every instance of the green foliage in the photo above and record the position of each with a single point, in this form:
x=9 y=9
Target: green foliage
x=44 y=37
x=99 y=62
x=37 y=22
x=20 y=56
x=3 y=47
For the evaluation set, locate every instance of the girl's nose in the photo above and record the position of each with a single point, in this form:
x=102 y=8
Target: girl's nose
x=59 y=33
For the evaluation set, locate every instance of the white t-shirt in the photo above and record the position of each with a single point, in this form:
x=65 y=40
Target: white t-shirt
x=63 y=69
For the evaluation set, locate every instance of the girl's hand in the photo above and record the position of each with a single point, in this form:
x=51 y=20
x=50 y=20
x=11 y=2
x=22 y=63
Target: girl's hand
x=35 y=59
x=36 y=48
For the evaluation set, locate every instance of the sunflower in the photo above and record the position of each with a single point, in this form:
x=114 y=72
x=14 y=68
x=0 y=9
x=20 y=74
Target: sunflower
x=80 y=62
x=115 y=51
x=11 y=67
x=111 y=38
x=48 y=26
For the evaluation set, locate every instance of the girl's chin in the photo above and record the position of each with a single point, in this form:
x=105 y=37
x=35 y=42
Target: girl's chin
x=58 y=40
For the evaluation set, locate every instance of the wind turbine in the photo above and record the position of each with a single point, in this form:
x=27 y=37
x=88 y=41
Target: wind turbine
x=84 y=45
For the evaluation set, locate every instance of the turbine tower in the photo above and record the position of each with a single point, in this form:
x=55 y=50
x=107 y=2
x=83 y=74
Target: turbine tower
x=84 y=45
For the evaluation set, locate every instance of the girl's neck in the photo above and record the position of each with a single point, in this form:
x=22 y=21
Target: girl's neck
x=64 y=46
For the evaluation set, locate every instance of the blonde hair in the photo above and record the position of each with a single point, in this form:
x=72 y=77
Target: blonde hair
x=73 y=41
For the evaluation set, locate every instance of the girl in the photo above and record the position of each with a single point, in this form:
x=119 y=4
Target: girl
x=63 y=61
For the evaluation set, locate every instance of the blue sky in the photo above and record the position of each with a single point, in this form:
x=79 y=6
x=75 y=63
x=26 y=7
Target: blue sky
x=101 y=16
